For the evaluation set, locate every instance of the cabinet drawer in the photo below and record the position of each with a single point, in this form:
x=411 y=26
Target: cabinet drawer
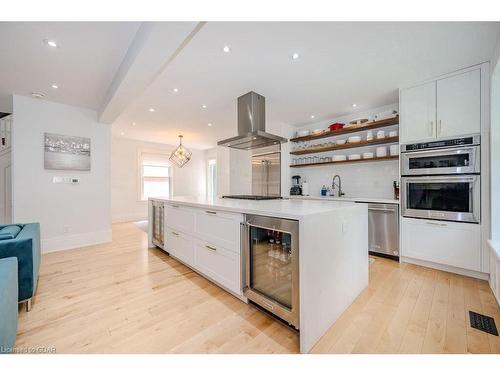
x=179 y=245
x=449 y=243
x=220 y=228
x=219 y=264
x=179 y=217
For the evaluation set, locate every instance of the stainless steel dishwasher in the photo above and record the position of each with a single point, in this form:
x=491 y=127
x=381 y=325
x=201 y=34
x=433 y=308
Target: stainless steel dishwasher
x=383 y=229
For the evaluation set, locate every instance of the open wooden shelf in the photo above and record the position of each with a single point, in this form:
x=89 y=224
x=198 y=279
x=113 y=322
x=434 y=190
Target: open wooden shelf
x=351 y=129
x=345 y=161
x=315 y=150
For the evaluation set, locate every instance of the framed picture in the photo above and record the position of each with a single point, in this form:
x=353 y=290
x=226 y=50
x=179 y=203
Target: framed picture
x=66 y=152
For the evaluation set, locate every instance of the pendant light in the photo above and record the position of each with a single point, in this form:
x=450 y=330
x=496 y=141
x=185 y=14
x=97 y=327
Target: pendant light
x=181 y=155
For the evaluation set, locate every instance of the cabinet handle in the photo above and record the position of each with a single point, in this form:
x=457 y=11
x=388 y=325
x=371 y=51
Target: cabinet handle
x=175 y=234
x=431 y=128
x=211 y=212
x=437 y=224
x=210 y=248
x=174 y=206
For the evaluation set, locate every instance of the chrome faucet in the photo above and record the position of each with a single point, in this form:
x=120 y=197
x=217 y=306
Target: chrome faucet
x=339 y=185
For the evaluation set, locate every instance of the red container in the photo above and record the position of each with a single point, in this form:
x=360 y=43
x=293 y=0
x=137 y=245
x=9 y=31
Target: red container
x=336 y=126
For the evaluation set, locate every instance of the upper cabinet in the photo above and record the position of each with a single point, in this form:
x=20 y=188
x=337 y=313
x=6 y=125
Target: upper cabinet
x=459 y=104
x=418 y=113
x=443 y=108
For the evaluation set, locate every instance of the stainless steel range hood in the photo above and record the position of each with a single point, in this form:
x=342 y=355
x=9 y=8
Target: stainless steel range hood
x=252 y=125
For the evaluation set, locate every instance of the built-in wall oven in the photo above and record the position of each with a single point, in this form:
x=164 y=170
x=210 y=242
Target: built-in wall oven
x=271 y=247
x=441 y=180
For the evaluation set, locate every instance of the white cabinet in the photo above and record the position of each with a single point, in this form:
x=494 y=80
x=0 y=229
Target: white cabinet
x=418 y=113
x=179 y=217
x=221 y=265
x=459 y=104
x=448 y=243
x=179 y=245
x=443 y=108
x=219 y=227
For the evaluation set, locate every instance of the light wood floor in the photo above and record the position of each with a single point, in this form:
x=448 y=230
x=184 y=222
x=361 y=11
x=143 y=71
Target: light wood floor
x=123 y=298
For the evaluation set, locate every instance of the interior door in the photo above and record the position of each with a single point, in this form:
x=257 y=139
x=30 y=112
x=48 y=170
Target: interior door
x=418 y=113
x=459 y=104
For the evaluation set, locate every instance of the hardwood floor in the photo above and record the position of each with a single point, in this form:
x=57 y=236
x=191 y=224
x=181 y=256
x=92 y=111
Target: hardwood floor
x=123 y=298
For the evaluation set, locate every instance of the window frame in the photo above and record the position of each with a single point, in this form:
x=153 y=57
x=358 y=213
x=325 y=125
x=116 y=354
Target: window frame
x=140 y=176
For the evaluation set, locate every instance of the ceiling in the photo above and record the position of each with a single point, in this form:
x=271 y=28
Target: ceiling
x=339 y=64
x=82 y=67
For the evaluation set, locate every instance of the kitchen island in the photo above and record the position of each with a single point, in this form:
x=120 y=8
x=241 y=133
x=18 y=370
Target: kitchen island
x=209 y=236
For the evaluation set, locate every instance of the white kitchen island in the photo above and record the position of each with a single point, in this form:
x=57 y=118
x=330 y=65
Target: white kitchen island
x=206 y=235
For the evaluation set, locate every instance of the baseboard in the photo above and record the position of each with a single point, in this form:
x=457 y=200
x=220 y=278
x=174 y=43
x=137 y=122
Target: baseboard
x=443 y=267
x=73 y=241
x=123 y=218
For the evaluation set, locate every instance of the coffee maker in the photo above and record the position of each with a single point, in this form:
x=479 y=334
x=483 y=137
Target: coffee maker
x=296 y=189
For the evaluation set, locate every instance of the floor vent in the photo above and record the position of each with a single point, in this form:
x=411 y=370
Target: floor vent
x=483 y=323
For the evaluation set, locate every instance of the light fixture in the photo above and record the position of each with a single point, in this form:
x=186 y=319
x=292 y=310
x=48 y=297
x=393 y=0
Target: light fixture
x=122 y=133
x=226 y=49
x=54 y=86
x=133 y=124
x=38 y=95
x=175 y=89
x=295 y=56
x=209 y=124
x=354 y=105
x=151 y=109
x=204 y=106
x=181 y=155
x=312 y=116
x=51 y=43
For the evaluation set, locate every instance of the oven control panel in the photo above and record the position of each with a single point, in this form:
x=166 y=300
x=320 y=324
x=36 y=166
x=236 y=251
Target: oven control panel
x=466 y=141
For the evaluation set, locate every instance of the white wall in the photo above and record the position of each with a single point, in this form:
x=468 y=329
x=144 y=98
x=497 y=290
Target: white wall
x=495 y=154
x=365 y=180
x=126 y=204
x=234 y=171
x=69 y=215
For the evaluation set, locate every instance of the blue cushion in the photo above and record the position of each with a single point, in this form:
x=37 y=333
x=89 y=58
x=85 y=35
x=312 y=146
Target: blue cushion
x=8 y=304
x=9 y=232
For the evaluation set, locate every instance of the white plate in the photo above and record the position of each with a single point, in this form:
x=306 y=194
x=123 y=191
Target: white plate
x=354 y=139
x=340 y=141
x=368 y=155
x=318 y=131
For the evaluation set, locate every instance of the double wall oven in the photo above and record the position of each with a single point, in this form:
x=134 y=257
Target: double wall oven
x=271 y=247
x=441 y=179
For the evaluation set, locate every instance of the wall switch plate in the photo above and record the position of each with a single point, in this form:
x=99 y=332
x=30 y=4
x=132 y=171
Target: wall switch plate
x=66 y=180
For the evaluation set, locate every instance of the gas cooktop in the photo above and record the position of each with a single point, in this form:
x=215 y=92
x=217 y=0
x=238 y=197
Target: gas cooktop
x=251 y=197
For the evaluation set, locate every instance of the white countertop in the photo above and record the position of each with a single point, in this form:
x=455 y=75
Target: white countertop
x=285 y=208
x=346 y=199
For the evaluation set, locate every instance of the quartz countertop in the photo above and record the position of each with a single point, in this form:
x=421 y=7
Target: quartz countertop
x=284 y=208
x=345 y=199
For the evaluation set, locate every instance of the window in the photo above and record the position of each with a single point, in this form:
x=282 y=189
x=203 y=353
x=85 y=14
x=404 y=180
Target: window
x=155 y=175
x=212 y=178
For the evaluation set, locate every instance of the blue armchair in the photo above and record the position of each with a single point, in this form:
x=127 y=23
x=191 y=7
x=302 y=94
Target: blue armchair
x=26 y=248
x=8 y=304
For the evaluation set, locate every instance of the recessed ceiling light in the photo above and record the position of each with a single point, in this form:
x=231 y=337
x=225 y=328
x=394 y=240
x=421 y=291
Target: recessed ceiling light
x=37 y=95
x=133 y=124
x=151 y=109
x=175 y=89
x=226 y=49
x=122 y=133
x=295 y=56
x=312 y=116
x=51 y=43
x=204 y=106
x=354 y=105
x=54 y=86
x=209 y=124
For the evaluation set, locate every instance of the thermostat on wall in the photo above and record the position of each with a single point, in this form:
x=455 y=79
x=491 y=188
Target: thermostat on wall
x=66 y=180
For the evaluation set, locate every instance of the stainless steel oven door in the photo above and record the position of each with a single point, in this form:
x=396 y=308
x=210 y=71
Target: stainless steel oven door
x=456 y=160
x=271 y=247
x=450 y=198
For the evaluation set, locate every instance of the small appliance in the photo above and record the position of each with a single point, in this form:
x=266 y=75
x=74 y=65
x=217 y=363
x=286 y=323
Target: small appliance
x=296 y=189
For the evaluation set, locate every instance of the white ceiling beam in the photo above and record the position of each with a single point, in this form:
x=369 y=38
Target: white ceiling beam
x=154 y=46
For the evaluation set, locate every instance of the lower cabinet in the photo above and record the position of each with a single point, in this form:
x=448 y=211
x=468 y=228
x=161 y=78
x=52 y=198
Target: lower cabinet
x=179 y=245
x=219 y=264
x=447 y=243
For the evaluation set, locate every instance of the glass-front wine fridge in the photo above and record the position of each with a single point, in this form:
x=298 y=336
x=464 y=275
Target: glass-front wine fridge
x=271 y=248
